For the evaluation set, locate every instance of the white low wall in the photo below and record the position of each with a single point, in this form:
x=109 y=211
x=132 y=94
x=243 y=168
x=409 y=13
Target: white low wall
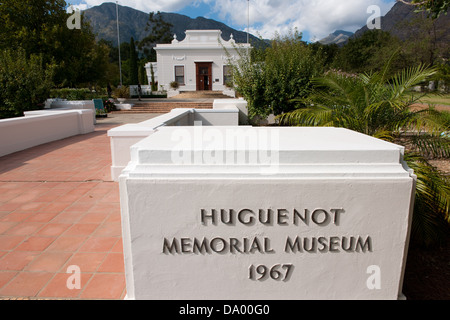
x=43 y=126
x=326 y=212
x=73 y=105
x=123 y=137
x=240 y=103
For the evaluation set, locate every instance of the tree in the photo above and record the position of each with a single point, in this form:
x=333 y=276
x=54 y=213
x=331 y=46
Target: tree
x=134 y=71
x=29 y=23
x=24 y=82
x=328 y=52
x=380 y=106
x=434 y=7
x=40 y=28
x=143 y=80
x=370 y=51
x=277 y=75
x=160 y=32
x=425 y=44
x=153 y=84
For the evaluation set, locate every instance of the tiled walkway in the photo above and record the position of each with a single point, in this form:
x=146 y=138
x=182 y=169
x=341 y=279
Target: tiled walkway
x=59 y=208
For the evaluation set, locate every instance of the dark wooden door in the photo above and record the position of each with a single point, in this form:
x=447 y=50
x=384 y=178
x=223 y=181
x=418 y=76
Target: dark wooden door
x=204 y=76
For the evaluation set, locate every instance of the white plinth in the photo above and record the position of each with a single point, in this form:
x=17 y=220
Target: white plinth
x=196 y=201
x=124 y=106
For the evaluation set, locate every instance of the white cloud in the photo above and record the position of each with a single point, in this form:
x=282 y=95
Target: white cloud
x=80 y=7
x=317 y=17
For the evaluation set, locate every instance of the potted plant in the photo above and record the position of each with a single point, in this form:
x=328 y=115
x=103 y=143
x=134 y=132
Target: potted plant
x=101 y=113
x=109 y=105
x=174 y=85
x=122 y=94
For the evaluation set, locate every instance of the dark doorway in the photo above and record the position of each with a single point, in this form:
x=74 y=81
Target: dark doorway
x=204 y=76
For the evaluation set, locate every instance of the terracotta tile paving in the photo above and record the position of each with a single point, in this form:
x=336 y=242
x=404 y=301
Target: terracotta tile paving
x=59 y=208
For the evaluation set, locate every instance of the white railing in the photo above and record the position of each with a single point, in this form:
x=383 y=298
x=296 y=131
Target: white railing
x=43 y=126
x=225 y=113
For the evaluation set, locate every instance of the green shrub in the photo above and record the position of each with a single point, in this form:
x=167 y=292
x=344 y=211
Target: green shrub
x=24 y=83
x=109 y=105
x=77 y=94
x=174 y=85
x=121 y=92
x=271 y=77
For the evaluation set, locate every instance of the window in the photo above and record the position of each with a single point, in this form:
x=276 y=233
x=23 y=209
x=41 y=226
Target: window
x=227 y=75
x=179 y=75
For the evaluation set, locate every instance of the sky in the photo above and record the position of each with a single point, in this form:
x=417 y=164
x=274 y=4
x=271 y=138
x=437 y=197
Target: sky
x=315 y=18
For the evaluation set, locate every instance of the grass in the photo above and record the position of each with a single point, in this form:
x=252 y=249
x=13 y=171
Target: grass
x=436 y=99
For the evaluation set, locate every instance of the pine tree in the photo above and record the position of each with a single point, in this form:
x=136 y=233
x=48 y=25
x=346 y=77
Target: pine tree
x=134 y=73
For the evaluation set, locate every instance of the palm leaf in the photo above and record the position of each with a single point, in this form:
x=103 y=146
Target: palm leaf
x=432 y=146
x=432 y=204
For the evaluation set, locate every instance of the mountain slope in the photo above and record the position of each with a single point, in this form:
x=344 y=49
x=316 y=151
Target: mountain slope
x=338 y=37
x=132 y=23
x=401 y=21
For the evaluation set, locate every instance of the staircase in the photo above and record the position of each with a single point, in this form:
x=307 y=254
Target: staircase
x=189 y=100
x=165 y=107
x=200 y=95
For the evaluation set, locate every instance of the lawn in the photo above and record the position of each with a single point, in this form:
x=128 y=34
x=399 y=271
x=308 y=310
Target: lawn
x=436 y=99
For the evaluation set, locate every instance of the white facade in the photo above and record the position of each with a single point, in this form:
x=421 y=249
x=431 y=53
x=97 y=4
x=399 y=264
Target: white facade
x=148 y=70
x=199 y=62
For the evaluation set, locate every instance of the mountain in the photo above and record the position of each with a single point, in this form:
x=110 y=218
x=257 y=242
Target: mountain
x=403 y=22
x=338 y=37
x=132 y=23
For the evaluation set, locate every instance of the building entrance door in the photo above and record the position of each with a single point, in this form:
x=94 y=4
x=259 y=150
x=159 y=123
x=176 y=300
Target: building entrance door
x=204 y=76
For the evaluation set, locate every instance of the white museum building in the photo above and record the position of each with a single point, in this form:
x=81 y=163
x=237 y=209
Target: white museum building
x=199 y=62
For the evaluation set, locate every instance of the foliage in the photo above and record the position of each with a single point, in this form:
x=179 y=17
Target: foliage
x=31 y=24
x=109 y=105
x=77 y=94
x=434 y=7
x=276 y=75
x=379 y=105
x=121 y=92
x=143 y=80
x=422 y=41
x=134 y=71
x=290 y=65
x=154 y=84
x=160 y=32
x=24 y=83
x=443 y=73
x=431 y=217
x=327 y=52
x=40 y=28
x=369 y=51
x=174 y=85
x=101 y=112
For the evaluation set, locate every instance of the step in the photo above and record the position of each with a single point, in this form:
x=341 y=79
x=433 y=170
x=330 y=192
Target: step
x=201 y=95
x=165 y=107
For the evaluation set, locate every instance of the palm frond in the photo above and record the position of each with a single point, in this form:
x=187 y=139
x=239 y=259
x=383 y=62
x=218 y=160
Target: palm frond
x=373 y=104
x=312 y=116
x=432 y=146
x=409 y=78
x=431 y=216
x=385 y=135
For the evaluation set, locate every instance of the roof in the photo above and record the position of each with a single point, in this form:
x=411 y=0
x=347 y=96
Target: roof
x=201 y=39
